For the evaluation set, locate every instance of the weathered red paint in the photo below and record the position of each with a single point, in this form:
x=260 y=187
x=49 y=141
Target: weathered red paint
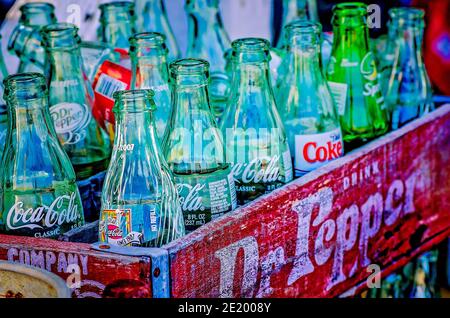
x=96 y=270
x=316 y=237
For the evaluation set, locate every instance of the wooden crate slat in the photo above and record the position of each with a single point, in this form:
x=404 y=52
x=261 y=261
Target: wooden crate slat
x=95 y=269
x=317 y=236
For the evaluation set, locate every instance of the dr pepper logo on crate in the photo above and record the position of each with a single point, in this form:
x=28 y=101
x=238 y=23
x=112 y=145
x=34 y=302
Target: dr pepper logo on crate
x=326 y=242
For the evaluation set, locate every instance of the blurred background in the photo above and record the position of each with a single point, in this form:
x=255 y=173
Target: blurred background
x=256 y=18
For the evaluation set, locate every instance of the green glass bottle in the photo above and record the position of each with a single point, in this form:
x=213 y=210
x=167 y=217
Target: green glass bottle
x=305 y=103
x=255 y=139
x=153 y=18
x=194 y=149
x=71 y=100
x=353 y=77
x=39 y=193
x=208 y=40
x=25 y=40
x=117 y=25
x=408 y=93
x=139 y=200
x=149 y=67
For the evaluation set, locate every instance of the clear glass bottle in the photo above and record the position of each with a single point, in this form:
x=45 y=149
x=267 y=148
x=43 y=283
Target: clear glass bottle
x=117 y=25
x=408 y=93
x=94 y=54
x=255 y=139
x=208 y=40
x=71 y=102
x=148 y=54
x=25 y=40
x=39 y=193
x=353 y=77
x=305 y=103
x=194 y=149
x=152 y=17
x=140 y=205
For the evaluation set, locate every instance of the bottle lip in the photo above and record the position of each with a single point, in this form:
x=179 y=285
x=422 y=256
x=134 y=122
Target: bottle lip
x=154 y=40
x=303 y=27
x=407 y=15
x=112 y=6
x=250 y=45
x=23 y=82
x=133 y=96
x=350 y=8
x=189 y=66
x=36 y=6
x=201 y=4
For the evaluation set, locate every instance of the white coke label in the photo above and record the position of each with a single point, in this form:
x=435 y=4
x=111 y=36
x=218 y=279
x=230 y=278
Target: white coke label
x=259 y=170
x=313 y=151
x=57 y=213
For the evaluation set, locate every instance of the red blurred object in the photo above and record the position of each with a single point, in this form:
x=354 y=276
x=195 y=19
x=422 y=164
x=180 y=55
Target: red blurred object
x=127 y=288
x=437 y=42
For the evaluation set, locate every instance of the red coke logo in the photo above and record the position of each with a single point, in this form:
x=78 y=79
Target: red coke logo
x=313 y=152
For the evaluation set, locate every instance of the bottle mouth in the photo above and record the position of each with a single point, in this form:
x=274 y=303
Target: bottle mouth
x=117 y=11
x=303 y=33
x=25 y=86
x=350 y=9
x=36 y=7
x=251 y=50
x=407 y=16
x=189 y=66
x=134 y=101
x=60 y=35
x=152 y=40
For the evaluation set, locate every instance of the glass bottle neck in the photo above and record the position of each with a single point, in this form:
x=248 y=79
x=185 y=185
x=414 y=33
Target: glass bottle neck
x=304 y=63
x=37 y=17
x=251 y=78
x=353 y=38
x=134 y=129
x=149 y=70
x=190 y=95
x=65 y=64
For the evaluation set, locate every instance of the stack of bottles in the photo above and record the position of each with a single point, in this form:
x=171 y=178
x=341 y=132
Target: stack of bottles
x=185 y=141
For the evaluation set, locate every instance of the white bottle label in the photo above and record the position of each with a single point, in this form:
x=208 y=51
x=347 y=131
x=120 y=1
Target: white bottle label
x=313 y=151
x=339 y=93
x=70 y=119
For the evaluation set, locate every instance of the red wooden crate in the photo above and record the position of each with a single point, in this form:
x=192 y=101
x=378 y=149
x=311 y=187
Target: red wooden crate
x=320 y=236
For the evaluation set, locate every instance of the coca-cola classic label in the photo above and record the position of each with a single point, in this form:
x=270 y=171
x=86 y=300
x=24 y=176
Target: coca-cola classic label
x=45 y=221
x=203 y=199
x=261 y=175
x=313 y=151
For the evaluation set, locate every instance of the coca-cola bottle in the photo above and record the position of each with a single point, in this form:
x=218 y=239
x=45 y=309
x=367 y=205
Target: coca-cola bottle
x=25 y=40
x=194 y=149
x=305 y=103
x=39 y=193
x=353 y=78
x=148 y=53
x=255 y=139
x=139 y=200
x=152 y=17
x=408 y=93
x=209 y=40
x=117 y=25
x=71 y=101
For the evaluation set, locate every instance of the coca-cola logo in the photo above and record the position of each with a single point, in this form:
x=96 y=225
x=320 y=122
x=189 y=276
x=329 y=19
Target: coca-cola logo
x=259 y=170
x=314 y=152
x=62 y=210
x=190 y=197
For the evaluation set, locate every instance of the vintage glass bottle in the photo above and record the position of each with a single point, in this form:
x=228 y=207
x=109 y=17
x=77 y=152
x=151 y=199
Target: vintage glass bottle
x=25 y=40
x=408 y=93
x=255 y=139
x=140 y=205
x=152 y=17
x=117 y=25
x=353 y=77
x=194 y=149
x=39 y=193
x=207 y=39
x=149 y=67
x=71 y=100
x=305 y=103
